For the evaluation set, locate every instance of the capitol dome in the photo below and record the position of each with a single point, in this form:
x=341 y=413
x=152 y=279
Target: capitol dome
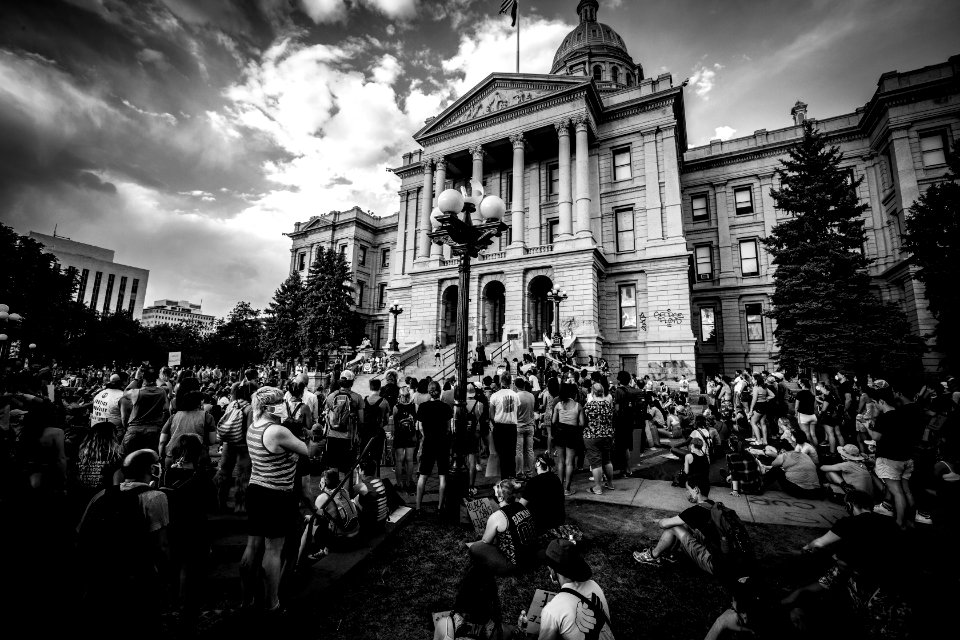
x=595 y=49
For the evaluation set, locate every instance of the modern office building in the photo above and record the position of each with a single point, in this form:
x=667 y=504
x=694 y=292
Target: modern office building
x=176 y=312
x=657 y=244
x=105 y=286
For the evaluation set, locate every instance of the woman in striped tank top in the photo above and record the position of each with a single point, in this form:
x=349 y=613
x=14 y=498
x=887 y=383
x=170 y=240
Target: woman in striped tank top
x=271 y=500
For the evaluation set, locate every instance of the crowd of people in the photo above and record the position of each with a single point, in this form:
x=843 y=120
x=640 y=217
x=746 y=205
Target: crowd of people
x=128 y=464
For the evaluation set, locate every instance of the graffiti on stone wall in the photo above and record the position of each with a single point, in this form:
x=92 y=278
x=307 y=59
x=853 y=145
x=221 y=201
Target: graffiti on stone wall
x=642 y=321
x=577 y=326
x=669 y=369
x=668 y=317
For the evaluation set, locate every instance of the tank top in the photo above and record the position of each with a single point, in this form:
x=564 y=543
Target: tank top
x=516 y=542
x=271 y=470
x=762 y=394
x=700 y=467
x=569 y=412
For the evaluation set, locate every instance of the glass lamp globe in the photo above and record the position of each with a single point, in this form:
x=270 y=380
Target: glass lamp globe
x=3 y=337
x=15 y=317
x=4 y=308
x=450 y=201
x=434 y=215
x=4 y=315
x=32 y=346
x=492 y=208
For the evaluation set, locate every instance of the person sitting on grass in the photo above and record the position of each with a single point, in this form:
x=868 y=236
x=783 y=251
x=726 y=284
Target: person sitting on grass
x=743 y=470
x=339 y=516
x=372 y=499
x=850 y=473
x=795 y=473
x=801 y=444
x=543 y=495
x=509 y=539
x=867 y=572
x=752 y=613
x=694 y=532
x=580 y=609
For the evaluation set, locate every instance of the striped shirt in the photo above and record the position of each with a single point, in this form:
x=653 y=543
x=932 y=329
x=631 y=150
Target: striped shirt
x=270 y=470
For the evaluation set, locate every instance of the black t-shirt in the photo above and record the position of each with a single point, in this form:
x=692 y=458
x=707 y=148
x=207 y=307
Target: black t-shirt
x=915 y=420
x=629 y=401
x=435 y=416
x=805 y=402
x=895 y=443
x=699 y=518
x=544 y=495
x=846 y=388
x=868 y=541
x=391 y=392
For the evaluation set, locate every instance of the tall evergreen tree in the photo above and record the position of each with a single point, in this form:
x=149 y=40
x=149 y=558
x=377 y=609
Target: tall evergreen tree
x=282 y=338
x=329 y=318
x=932 y=235
x=827 y=317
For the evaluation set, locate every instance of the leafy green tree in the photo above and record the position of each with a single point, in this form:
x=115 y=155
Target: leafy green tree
x=235 y=342
x=932 y=235
x=329 y=318
x=282 y=339
x=827 y=318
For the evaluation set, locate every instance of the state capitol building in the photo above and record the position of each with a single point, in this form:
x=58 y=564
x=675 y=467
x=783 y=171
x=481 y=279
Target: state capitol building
x=656 y=244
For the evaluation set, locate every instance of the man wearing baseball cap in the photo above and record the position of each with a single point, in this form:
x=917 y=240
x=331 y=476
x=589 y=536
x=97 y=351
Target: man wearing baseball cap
x=579 y=610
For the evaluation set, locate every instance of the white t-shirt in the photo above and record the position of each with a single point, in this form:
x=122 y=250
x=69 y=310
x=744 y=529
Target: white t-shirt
x=567 y=617
x=310 y=399
x=504 y=405
x=534 y=383
x=106 y=407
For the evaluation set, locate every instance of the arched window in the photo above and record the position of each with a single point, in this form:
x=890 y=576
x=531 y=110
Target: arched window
x=615 y=74
x=598 y=73
x=629 y=79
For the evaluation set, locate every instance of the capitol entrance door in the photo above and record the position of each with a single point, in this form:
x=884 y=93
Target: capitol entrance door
x=539 y=310
x=494 y=313
x=448 y=316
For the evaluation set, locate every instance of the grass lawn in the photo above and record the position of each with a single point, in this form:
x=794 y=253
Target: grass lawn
x=392 y=595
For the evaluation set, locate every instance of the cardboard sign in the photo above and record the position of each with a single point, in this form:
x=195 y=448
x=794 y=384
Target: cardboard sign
x=173 y=359
x=479 y=510
x=534 y=613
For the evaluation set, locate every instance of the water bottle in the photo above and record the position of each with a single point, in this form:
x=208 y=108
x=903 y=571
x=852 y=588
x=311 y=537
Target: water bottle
x=522 y=622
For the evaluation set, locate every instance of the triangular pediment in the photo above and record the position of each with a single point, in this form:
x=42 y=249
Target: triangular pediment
x=498 y=94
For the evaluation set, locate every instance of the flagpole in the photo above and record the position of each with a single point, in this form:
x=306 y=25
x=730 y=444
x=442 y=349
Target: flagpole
x=518 y=36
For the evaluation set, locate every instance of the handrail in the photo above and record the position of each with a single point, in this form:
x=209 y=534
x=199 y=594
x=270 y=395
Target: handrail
x=504 y=346
x=441 y=375
x=413 y=354
x=448 y=352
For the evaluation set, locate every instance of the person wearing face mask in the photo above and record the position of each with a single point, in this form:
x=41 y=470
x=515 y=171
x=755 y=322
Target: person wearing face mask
x=271 y=499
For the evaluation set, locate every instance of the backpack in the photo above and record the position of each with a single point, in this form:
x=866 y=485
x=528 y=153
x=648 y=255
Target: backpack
x=340 y=416
x=291 y=422
x=599 y=619
x=230 y=428
x=472 y=419
x=114 y=537
x=735 y=545
x=404 y=426
x=704 y=434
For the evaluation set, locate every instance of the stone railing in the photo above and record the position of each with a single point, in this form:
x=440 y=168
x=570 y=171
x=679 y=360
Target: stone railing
x=449 y=262
x=496 y=255
x=543 y=248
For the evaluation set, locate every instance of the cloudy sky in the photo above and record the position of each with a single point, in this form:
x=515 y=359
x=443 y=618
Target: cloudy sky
x=188 y=135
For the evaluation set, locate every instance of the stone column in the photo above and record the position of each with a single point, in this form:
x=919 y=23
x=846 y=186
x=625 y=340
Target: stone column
x=401 y=247
x=904 y=172
x=565 y=205
x=477 y=153
x=652 y=186
x=426 y=206
x=766 y=200
x=671 y=185
x=437 y=250
x=516 y=208
x=724 y=249
x=876 y=210
x=583 y=178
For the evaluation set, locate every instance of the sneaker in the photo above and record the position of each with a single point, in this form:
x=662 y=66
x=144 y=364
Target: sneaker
x=609 y=487
x=922 y=518
x=883 y=510
x=569 y=492
x=596 y=491
x=646 y=557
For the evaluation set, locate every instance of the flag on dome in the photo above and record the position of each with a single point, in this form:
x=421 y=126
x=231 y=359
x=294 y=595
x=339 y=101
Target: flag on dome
x=511 y=7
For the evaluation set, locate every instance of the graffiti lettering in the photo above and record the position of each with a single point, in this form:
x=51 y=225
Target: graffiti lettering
x=668 y=317
x=642 y=320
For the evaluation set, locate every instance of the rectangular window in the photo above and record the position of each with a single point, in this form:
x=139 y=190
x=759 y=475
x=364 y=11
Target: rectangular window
x=624 y=221
x=120 y=293
x=111 y=280
x=621 y=164
x=361 y=287
x=754 y=322
x=508 y=237
x=701 y=210
x=95 y=295
x=704 y=258
x=385 y=258
x=508 y=188
x=553 y=179
x=82 y=288
x=382 y=296
x=933 y=147
x=628 y=306
x=743 y=199
x=363 y=256
x=133 y=294
x=553 y=229
x=301 y=261
x=343 y=251
x=749 y=263
x=708 y=325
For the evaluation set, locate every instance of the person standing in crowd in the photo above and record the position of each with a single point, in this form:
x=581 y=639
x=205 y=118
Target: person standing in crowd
x=504 y=405
x=307 y=397
x=546 y=402
x=234 y=460
x=404 y=439
x=468 y=442
x=598 y=438
x=190 y=419
x=758 y=409
x=580 y=609
x=567 y=427
x=804 y=408
x=99 y=461
x=525 y=428
x=376 y=414
x=627 y=406
x=683 y=390
x=143 y=412
x=343 y=412
x=894 y=467
x=847 y=407
x=106 y=405
x=271 y=499
x=434 y=419
x=390 y=390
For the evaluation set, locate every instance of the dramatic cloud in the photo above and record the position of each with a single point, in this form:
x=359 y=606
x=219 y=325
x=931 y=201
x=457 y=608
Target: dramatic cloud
x=703 y=79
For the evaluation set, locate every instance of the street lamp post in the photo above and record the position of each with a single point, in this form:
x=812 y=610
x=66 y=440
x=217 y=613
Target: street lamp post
x=8 y=321
x=556 y=296
x=453 y=227
x=396 y=310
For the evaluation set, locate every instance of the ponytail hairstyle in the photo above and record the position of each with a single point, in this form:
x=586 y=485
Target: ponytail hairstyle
x=508 y=490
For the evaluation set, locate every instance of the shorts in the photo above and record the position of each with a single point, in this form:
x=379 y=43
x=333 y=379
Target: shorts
x=598 y=451
x=271 y=513
x=568 y=437
x=887 y=469
x=804 y=419
x=468 y=442
x=138 y=437
x=693 y=545
x=434 y=453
